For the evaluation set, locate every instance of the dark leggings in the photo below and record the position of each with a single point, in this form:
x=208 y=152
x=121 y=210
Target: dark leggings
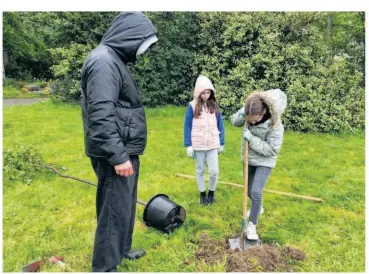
x=258 y=175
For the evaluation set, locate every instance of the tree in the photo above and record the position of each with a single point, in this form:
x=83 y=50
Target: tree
x=26 y=55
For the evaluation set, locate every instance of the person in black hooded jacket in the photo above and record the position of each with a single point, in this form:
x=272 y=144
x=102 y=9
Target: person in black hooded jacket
x=115 y=134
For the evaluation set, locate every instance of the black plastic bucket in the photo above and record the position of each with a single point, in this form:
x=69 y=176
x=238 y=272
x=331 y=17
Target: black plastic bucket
x=163 y=214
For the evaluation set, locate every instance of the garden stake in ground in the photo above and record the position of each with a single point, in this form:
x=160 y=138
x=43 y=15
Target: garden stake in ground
x=288 y=194
x=160 y=212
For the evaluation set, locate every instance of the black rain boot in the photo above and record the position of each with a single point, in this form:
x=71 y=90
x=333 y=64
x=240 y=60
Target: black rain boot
x=203 y=200
x=211 y=199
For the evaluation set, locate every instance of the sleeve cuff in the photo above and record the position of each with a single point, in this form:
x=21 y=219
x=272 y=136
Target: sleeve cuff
x=124 y=157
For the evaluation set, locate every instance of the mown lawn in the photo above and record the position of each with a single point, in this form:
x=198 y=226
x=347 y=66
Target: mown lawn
x=56 y=216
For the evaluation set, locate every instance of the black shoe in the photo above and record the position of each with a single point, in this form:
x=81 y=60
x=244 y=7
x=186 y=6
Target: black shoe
x=134 y=254
x=114 y=269
x=203 y=200
x=211 y=198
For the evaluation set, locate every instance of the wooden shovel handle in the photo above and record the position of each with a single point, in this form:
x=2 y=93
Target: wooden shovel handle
x=245 y=176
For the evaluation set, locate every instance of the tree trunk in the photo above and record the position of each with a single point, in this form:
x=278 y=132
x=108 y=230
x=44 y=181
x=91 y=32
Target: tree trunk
x=329 y=25
x=5 y=63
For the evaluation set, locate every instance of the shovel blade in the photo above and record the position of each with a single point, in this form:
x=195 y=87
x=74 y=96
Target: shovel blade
x=242 y=244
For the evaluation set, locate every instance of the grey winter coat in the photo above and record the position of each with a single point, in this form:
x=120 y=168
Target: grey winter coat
x=267 y=137
x=113 y=115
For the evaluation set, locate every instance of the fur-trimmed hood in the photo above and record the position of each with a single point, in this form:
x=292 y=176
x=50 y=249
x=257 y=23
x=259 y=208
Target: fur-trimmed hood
x=275 y=99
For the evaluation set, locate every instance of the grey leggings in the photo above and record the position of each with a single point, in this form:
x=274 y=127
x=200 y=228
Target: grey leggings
x=211 y=158
x=258 y=175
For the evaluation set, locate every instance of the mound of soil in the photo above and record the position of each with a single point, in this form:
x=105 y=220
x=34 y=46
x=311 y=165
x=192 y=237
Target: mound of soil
x=264 y=258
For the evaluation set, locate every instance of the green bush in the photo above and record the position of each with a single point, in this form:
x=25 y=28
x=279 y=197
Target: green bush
x=69 y=60
x=68 y=71
x=162 y=81
x=282 y=50
x=21 y=163
x=66 y=89
x=167 y=73
x=25 y=55
x=43 y=84
x=11 y=82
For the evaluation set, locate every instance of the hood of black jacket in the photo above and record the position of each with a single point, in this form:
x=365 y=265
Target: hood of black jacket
x=127 y=32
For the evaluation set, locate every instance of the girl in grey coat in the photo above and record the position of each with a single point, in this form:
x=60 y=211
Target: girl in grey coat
x=264 y=132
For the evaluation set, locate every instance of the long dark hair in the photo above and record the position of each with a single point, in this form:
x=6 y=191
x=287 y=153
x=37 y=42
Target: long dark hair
x=211 y=104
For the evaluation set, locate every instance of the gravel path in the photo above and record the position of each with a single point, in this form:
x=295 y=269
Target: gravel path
x=24 y=101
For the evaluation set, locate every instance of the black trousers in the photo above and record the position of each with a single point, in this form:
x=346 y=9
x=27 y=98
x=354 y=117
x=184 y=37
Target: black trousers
x=116 y=199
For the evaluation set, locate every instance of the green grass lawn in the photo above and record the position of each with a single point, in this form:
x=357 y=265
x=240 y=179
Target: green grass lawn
x=56 y=216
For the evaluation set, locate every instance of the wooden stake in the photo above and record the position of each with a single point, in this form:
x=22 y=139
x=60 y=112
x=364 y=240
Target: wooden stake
x=305 y=197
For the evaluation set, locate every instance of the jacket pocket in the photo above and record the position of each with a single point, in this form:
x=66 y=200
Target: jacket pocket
x=123 y=121
x=215 y=133
x=137 y=130
x=215 y=138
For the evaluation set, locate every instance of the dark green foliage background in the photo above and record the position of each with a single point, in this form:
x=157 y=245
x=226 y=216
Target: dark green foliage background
x=320 y=66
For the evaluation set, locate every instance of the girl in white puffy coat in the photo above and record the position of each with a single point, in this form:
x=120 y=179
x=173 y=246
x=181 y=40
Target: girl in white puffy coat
x=264 y=132
x=204 y=135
